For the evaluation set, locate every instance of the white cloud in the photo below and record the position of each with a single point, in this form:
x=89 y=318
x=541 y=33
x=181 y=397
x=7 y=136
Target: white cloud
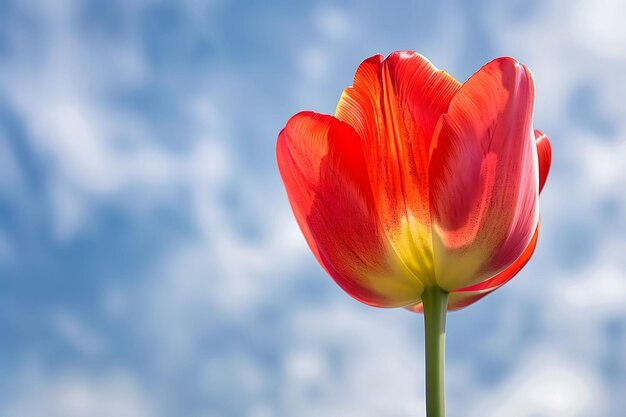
x=91 y=149
x=347 y=360
x=545 y=385
x=602 y=288
x=334 y=23
x=598 y=25
x=315 y=62
x=76 y=394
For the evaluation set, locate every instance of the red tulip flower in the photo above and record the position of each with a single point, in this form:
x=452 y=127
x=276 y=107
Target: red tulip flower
x=420 y=192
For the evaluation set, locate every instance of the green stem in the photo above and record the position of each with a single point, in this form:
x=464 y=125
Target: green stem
x=435 y=302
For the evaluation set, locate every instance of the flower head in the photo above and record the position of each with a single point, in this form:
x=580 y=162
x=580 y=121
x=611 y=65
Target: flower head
x=419 y=180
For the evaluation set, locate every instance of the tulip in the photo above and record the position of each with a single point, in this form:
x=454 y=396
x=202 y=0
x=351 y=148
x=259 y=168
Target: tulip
x=421 y=192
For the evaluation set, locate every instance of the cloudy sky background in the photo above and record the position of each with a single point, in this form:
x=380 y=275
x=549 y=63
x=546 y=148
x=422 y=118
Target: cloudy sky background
x=149 y=261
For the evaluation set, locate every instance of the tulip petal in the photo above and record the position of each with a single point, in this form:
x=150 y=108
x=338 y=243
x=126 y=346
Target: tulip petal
x=394 y=105
x=322 y=166
x=544 y=153
x=466 y=296
x=483 y=176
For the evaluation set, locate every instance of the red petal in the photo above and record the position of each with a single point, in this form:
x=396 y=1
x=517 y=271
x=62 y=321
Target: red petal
x=544 y=152
x=465 y=296
x=483 y=176
x=322 y=166
x=394 y=106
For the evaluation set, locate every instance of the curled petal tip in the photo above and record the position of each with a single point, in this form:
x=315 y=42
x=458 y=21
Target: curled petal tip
x=544 y=154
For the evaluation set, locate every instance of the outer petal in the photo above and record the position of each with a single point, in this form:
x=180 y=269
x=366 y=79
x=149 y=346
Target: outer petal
x=322 y=166
x=544 y=152
x=394 y=106
x=465 y=296
x=484 y=176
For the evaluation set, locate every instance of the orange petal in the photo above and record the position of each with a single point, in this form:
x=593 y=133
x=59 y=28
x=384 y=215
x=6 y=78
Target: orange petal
x=322 y=166
x=544 y=153
x=394 y=106
x=483 y=176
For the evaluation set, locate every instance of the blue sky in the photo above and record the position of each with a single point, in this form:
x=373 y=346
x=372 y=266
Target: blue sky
x=149 y=261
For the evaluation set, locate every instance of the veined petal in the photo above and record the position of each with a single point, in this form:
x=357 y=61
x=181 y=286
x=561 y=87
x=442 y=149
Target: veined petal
x=484 y=176
x=322 y=166
x=464 y=297
x=394 y=106
x=544 y=153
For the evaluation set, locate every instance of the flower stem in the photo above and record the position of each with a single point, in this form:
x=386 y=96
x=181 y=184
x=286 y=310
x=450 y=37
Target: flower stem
x=435 y=302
